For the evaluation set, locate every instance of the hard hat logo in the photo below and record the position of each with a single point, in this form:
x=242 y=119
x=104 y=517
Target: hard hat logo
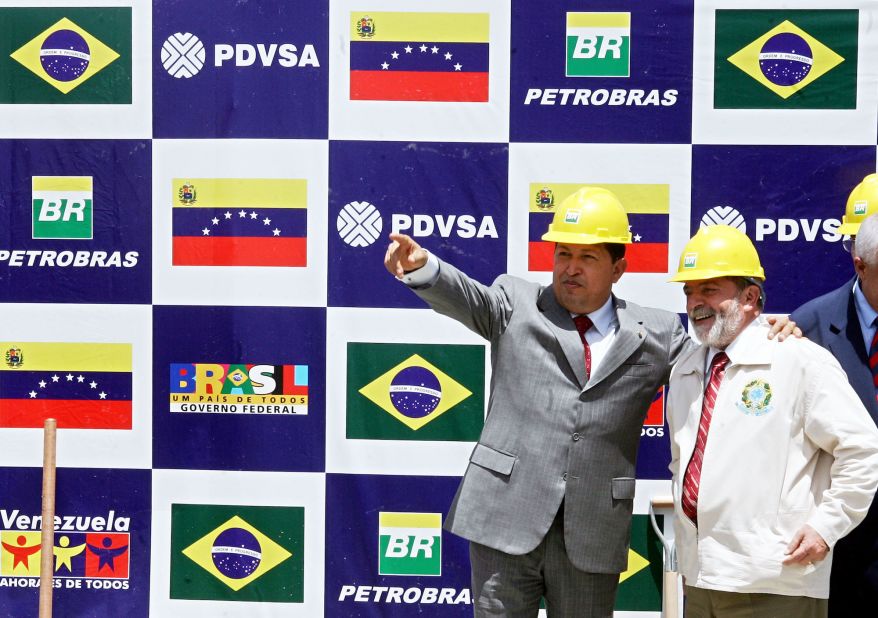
x=862 y=202
x=590 y=216
x=719 y=251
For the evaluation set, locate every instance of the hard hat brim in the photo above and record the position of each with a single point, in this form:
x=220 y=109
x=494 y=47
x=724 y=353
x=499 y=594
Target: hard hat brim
x=700 y=275
x=576 y=238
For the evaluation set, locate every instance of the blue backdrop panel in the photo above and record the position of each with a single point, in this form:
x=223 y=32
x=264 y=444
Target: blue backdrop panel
x=452 y=198
x=263 y=70
x=110 y=266
x=249 y=438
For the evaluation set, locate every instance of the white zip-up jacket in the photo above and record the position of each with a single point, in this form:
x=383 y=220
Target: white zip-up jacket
x=789 y=444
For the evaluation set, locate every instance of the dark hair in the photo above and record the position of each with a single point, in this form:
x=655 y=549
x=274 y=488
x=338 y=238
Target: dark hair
x=616 y=250
x=743 y=282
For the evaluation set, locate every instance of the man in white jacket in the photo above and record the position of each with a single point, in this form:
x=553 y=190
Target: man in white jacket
x=774 y=456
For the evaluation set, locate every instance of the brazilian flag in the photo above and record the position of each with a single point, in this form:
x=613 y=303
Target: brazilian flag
x=237 y=553
x=402 y=391
x=786 y=59
x=65 y=55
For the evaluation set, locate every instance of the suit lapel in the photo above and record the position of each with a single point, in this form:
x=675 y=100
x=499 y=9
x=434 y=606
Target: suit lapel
x=629 y=337
x=845 y=341
x=561 y=325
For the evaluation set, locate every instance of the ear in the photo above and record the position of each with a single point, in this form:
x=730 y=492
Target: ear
x=750 y=296
x=859 y=266
x=619 y=267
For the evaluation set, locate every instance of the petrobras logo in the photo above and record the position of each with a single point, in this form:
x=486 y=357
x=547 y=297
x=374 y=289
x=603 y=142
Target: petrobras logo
x=183 y=55
x=62 y=208
x=410 y=544
x=214 y=388
x=89 y=551
x=780 y=229
x=598 y=45
x=359 y=224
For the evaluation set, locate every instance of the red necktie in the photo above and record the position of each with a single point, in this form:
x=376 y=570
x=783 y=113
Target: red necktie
x=693 y=471
x=583 y=323
x=873 y=358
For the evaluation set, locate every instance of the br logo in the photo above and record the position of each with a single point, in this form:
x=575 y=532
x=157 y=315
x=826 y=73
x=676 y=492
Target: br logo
x=182 y=55
x=62 y=207
x=598 y=44
x=724 y=215
x=359 y=224
x=409 y=543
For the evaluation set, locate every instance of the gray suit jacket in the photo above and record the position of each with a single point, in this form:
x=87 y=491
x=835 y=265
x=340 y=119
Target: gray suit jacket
x=548 y=437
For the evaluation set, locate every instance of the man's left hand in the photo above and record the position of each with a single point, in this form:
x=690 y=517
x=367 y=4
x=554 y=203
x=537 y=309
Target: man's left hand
x=807 y=547
x=782 y=326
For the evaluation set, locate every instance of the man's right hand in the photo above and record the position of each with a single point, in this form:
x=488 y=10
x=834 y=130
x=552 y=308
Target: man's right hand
x=403 y=255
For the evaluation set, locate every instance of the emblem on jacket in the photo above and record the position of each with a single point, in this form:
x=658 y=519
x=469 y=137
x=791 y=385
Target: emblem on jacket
x=756 y=398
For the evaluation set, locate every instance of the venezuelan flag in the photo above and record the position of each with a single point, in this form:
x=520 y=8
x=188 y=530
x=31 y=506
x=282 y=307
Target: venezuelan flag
x=647 y=206
x=419 y=56
x=239 y=222
x=82 y=385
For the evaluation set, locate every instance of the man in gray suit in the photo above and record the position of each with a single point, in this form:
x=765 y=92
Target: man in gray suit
x=547 y=497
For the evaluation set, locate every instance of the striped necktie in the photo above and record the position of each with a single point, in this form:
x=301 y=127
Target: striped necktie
x=692 y=478
x=583 y=323
x=873 y=357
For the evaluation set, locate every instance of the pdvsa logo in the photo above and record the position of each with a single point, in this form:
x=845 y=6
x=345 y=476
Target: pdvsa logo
x=183 y=55
x=359 y=224
x=781 y=229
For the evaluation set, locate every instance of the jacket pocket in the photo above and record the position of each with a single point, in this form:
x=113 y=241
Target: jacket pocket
x=623 y=488
x=492 y=459
x=637 y=370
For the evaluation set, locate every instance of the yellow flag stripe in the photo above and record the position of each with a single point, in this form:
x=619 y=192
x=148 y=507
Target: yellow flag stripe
x=424 y=27
x=244 y=192
x=61 y=183
x=599 y=20
x=410 y=520
x=39 y=356
x=650 y=199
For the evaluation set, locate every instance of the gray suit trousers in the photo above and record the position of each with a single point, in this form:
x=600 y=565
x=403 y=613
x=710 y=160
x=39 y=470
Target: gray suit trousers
x=511 y=586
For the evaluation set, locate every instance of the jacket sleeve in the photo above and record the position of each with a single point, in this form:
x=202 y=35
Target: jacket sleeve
x=485 y=310
x=837 y=422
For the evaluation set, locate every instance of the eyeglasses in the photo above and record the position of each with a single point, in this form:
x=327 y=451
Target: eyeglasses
x=847 y=243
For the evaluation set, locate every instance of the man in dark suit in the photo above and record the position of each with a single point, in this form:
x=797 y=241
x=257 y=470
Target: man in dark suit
x=843 y=321
x=547 y=496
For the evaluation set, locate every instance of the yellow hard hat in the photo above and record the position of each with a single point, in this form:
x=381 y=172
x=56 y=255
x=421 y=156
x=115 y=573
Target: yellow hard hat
x=588 y=217
x=862 y=202
x=719 y=251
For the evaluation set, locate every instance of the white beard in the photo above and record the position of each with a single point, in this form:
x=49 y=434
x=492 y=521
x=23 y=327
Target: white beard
x=726 y=326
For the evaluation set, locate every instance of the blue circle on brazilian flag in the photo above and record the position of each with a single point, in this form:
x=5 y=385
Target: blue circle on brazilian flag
x=236 y=553
x=786 y=59
x=65 y=55
x=415 y=392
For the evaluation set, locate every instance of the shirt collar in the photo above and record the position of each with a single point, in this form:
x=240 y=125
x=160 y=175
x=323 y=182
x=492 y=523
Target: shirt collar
x=864 y=309
x=604 y=318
